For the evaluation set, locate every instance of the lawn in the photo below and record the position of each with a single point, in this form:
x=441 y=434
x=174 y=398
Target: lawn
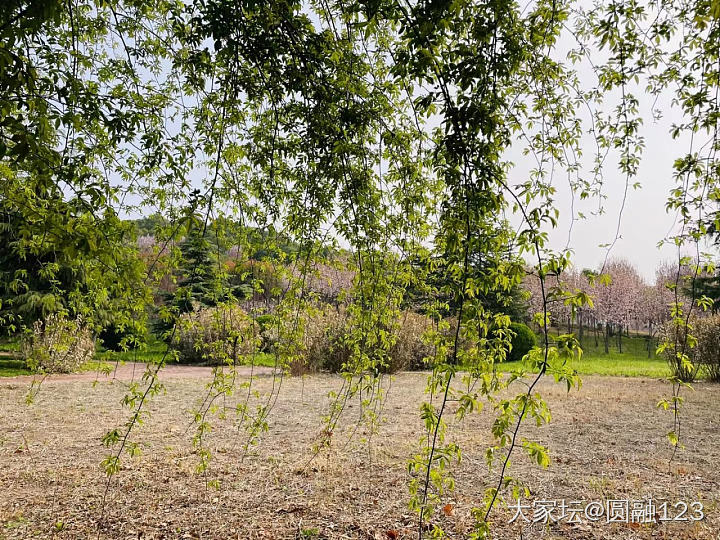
x=633 y=361
x=11 y=367
x=154 y=351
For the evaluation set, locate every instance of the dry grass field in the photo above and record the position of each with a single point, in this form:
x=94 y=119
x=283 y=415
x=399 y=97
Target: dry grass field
x=607 y=441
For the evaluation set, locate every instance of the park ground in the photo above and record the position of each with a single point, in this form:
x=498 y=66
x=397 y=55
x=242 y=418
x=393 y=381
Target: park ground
x=633 y=361
x=607 y=441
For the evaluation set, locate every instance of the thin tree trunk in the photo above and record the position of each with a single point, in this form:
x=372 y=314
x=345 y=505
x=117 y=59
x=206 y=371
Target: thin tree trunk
x=607 y=337
x=580 y=324
x=595 y=331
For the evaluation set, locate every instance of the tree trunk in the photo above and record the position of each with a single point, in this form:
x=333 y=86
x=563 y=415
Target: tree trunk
x=607 y=337
x=595 y=331
x=580 y=324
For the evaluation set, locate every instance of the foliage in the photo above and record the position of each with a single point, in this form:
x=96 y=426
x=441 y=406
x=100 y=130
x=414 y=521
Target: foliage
x=326 y=342
x=198 y=278
x=511 y=302
x=252 y=278
x=707 y=351
x=115 y=337
x=222 y=334
x=200 y=281
x=679 y=349
x=323 y=347
x=58 y=345
x=56 y=258
x=522 y=340
x=411 y=349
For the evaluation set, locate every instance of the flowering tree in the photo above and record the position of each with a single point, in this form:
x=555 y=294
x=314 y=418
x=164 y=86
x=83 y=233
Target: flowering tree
x=621 y=300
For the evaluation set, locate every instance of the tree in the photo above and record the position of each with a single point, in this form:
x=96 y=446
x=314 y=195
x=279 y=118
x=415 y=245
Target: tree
x=496 y=254
x=384 y=125
x=198 y=277
x=51 y=259
x=199 y=280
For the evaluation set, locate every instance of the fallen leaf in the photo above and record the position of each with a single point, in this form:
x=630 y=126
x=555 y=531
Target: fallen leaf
x=448 y=509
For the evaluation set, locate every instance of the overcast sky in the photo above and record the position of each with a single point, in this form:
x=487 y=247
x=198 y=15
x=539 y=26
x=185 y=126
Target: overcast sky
x=644 y=221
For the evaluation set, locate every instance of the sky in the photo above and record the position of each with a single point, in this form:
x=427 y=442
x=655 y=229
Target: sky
x=644 y=221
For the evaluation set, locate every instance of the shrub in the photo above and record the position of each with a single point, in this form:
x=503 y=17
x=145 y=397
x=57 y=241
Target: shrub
x=679 y=350
x=707 y=351
x=523 y=340
x=253 y=278
x=269 y=330
x=410 y=349
x=324 y=346
x=465 y=343
x=116 y=338
x=58 y=345
x=215 y=335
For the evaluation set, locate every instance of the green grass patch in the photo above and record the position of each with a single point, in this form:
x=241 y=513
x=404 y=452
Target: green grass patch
x=12 y=367
x=152 y=352
x=156 y=349
x=10 y=364
x=11 y=346
x=633 y=361
x=260 y=359
x=613 y=366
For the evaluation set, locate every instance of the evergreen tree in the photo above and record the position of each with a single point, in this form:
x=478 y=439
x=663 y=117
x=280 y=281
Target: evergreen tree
x=199 y=279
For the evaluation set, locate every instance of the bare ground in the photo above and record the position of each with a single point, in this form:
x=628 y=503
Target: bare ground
x=607 y=441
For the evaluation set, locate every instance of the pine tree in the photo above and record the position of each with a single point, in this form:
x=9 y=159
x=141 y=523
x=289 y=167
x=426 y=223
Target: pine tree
x=198 y=277
x=200 y=281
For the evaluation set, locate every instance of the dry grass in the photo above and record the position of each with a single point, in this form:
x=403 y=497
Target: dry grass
x=608 y=442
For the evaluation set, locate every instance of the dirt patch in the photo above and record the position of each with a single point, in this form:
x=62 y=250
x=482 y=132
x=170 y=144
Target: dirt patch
x=607 y=442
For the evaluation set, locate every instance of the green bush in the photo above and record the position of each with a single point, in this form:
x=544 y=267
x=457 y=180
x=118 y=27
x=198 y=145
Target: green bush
x=117 y=338
x=215 y=335
x=523 y=340
x=58 y=345
x=707 y=350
